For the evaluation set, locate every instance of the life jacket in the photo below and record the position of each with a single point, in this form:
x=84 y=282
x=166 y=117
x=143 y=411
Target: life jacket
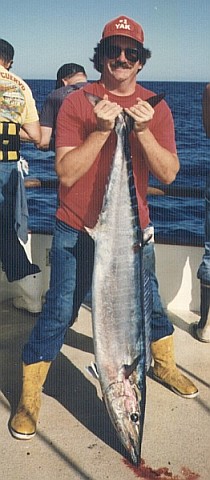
x=9 y=141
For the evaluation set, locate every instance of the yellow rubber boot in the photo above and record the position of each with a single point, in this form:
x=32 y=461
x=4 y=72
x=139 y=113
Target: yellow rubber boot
x=165 y=370
x=23 y=424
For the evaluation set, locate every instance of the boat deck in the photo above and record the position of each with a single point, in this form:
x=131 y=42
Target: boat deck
x=75 y=439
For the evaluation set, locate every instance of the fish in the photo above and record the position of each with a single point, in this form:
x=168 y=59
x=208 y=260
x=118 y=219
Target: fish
x=121 y=299
x=155 y=99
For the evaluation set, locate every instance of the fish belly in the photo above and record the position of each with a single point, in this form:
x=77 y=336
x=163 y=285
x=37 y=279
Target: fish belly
x=118 y=312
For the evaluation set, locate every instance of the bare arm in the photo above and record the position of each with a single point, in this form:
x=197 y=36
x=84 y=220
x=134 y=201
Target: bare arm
x=31 y=132
x=73 y=162
x=206 y=110
x=46 y=133
x=163 y=164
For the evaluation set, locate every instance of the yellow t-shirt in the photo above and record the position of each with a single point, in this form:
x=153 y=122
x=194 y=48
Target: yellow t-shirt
x=16 y=100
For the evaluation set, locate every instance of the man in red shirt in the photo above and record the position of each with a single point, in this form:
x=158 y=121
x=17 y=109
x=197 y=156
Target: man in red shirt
x=85 y=144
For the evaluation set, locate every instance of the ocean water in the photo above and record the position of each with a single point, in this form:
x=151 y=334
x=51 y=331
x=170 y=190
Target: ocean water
x=176 y=219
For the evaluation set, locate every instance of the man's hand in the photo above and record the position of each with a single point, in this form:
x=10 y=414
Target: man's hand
x=142 y=113
x=106 y=113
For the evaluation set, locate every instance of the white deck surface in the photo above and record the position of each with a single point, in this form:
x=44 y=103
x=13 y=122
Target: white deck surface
x=75 y=439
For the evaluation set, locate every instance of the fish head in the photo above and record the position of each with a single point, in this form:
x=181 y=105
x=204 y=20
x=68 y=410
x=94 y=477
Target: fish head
x=123 y=406
x=93 y=99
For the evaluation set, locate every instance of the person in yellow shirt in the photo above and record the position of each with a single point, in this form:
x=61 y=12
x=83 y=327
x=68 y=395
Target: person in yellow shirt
x=18 y=121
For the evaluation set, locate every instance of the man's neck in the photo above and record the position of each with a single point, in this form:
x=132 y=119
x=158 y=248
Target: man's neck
x=4 y=64
x=121 y=89
x=77 y=78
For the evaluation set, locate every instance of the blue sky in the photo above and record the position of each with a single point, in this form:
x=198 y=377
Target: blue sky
x=46 y=34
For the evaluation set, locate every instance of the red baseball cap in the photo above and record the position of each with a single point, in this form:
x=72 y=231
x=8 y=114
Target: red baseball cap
x=124 y=26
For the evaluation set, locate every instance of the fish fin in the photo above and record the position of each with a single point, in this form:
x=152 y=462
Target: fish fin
x=92 y=370
x=155 y=99
x=92 y=231
x=93 y=99
x=128 y=369
x=129 y=122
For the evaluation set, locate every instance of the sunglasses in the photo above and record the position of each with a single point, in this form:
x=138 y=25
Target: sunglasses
x=114 y=51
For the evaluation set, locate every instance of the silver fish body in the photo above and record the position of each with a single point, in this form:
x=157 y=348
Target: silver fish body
x=121 y=306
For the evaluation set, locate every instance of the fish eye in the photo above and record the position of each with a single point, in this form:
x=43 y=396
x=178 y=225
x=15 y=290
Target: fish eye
x=134 y=417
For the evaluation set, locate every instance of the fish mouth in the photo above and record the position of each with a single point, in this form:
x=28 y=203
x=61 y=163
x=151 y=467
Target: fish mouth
x=134 y=451
x=131 y=442
x=135 y=456
x=132 y=448
x=122 y=404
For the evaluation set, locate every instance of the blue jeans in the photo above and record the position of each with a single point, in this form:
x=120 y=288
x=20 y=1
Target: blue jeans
x=72 y=259
x=204 y=269
x=160 y=324
x=6 y=169
x=14 y=260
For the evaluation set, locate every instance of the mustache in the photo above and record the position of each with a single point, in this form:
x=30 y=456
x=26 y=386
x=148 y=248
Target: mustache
x=120 y=64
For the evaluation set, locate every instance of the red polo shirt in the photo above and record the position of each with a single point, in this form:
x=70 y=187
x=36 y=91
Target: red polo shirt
x=80 y=205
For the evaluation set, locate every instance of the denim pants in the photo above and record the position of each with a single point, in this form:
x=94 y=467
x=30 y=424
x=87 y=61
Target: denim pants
x=204 y=269
x=6 y=169
x=14 y=260
x=160 y=324
x=72 y=259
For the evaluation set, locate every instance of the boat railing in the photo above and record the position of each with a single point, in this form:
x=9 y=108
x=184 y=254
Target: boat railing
x=163 y=190
x=152 y=192
x=177 y=260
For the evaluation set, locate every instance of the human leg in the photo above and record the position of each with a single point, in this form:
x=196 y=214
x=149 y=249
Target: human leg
x=63 y=299
x=160 y=324
x=69 y=282
x=23 y=424
x=162 y=344
x=15 y=262
x=201 y=330
x=204 y=269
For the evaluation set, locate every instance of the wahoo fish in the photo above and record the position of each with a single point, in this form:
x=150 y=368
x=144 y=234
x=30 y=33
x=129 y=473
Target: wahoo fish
x=121 y=300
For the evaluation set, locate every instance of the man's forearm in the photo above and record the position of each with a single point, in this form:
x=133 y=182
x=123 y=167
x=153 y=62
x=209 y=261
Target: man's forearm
x=163 y=164
x=24 y=136
x=31 y=132
x=73 y=164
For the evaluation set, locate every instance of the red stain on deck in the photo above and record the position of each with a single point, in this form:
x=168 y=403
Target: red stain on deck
x=163 y=473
